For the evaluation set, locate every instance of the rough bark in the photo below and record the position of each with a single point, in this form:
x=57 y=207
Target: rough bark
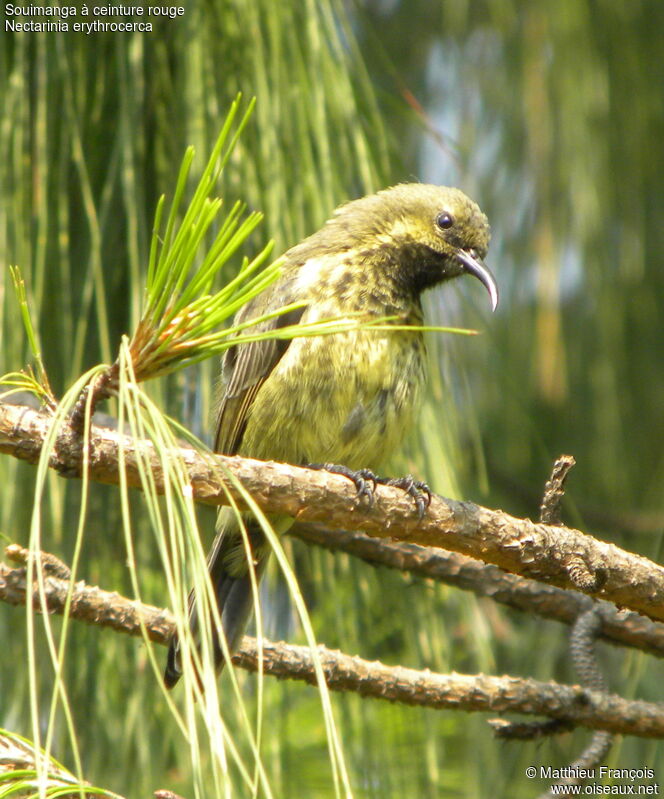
x=557 y=555
x=580 y=706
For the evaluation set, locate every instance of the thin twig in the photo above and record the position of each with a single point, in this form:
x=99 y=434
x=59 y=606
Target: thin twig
x=554 y=490
x=101 y=387
x=583 y=636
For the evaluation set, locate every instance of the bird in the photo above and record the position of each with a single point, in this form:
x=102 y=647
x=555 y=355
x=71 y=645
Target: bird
x=342 y=401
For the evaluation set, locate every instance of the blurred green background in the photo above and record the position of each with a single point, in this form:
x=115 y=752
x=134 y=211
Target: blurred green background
x=552 y=117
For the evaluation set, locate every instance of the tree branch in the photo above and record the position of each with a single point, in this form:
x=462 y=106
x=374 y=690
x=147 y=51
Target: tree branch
x=558 y=555
x=572 y=703
x=620 y=627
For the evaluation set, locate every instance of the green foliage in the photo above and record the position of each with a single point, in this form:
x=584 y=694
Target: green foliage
x=180 y=310
x=51 y=780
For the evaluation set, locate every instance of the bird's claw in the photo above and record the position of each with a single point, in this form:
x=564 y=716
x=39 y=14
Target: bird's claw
x=416 y=489
x=366 y=484
x=364 y=480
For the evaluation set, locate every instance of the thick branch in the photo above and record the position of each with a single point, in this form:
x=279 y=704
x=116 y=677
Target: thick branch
x=558 y=555
x=618 y=626
x=368 y=678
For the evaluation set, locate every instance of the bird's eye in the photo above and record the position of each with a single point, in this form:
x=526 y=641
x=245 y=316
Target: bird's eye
x=445 y=220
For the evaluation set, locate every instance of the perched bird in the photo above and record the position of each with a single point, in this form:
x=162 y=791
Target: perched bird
x=345 y=398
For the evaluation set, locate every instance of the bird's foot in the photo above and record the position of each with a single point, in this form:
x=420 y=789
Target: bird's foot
x=365 y=482
x=416 y=489
x=363 y=479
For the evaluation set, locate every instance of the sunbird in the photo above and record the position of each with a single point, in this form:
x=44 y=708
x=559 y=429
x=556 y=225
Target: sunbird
x=341 y=401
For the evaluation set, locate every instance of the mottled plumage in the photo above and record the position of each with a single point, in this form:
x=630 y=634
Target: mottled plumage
x=347 y=398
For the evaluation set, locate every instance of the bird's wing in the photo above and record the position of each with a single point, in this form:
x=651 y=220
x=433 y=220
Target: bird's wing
x=245 y=368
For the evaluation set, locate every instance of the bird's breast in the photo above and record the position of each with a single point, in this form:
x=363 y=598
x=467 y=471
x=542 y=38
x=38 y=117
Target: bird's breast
x=343 y=398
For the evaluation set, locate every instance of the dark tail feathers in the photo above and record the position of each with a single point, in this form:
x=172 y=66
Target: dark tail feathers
x=234 y=599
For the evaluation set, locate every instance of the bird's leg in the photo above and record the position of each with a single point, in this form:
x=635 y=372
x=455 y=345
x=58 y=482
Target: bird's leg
x=366 y=481
x=363 y=479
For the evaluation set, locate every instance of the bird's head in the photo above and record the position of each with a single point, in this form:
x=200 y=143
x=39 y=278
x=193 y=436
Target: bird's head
x=429 y=233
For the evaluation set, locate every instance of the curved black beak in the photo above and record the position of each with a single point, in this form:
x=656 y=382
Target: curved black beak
x=473 y=264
